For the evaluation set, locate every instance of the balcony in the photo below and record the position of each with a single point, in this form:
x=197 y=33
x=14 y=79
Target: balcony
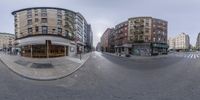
x=138 y=32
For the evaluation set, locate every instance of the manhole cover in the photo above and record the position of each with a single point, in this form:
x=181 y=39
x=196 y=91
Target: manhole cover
x=41 y=65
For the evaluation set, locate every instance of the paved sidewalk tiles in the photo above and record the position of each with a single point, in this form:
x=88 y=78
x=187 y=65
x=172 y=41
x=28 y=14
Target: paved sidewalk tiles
x=43 y=69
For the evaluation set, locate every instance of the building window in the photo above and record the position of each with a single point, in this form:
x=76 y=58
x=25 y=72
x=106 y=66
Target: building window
x=43 y=10
x=164 y=33
x=30 y=30
x=59 y=22
x=59 y=12
x=66 y=33
x=44 y=14
x=146 y=38
x=29 y=16
x=15 y=20
x=36 y=12
x=44 y=20
x=59 y=30
x=44 y=29
x=36 y=29
x=53 y=31
x=125 y=34
x=29 y=22
x=29 y=13
x=141 y=37
x=131 y=38
x=59 y=16
x=154 y=39
x=36 y=19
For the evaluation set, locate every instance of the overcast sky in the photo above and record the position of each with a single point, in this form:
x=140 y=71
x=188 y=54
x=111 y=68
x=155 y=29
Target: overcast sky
x=182 y=15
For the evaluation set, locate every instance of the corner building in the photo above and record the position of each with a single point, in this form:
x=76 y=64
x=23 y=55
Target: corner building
x=45 y=32
x=148 y=35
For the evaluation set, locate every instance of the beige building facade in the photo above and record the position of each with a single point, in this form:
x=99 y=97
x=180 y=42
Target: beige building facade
x=171 y=43
x=6 y=40
x=43 y=32
x=182 y=42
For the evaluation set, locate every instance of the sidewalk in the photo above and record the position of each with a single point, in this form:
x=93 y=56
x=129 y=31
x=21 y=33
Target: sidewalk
x=136 y=57
x=43 y=69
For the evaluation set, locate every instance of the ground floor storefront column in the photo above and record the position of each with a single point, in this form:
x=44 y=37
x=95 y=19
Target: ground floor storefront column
x=31 y=51
x=47 y=48
x=65 y=51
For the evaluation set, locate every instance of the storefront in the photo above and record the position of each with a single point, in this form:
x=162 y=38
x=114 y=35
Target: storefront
x=142 y=49
x=124 y=49
x=42 y=51
x=159 y=48
x=46 y=47
x=149 y=49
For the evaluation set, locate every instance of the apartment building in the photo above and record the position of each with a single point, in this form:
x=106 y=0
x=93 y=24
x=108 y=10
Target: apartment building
x=43 y=32
x=84 y=34
x=171 y=43
x=148 y=35
x=105 y=40
x=144 y=36
x=6 y=41
x=111 y=41
x=89 y=39
x=182 y=42
x=198 y=42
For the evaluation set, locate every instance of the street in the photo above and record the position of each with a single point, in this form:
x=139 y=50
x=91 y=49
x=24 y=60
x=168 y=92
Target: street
x=107 y=77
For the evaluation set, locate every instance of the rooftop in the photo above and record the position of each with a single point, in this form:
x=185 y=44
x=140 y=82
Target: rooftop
x=41 y=8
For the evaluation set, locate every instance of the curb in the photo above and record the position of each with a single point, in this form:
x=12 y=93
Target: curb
x=50 y=79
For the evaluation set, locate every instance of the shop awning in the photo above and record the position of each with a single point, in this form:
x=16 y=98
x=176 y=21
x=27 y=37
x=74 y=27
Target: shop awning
x=157 y=45
x=31 y=43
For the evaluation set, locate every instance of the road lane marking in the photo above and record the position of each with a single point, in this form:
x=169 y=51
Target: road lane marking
x=191 y=56
x=194 y=56
x=185 y=56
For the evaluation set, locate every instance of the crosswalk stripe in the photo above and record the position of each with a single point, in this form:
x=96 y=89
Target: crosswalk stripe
x=187 y=55
x=191 y=56
x=194 y=56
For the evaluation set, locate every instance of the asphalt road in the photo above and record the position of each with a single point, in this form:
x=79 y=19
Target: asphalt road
x=106 y=77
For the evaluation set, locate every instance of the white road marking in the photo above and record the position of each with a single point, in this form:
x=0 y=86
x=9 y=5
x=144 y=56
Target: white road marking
x=191 y=56
x=185 y=56
x=194 y=56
